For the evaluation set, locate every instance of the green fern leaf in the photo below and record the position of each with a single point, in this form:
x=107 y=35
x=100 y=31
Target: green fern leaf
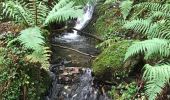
x=149 y=47
x=2 y=50
x=125 y=7
x=17 y=10
x=139 y=25
x=157 y=77
x=150 y=6
x=40 y=55
x=31 y=38
x=110 y=1
x=63 y=11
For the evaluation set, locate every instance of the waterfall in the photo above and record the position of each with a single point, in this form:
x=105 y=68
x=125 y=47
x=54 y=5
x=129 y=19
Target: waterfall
x=81 y=22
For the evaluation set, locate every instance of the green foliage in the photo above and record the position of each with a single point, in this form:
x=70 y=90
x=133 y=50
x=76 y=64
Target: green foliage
x=123 y=91
x=125 y=8
x=155 y=26
x=16 y=73
x=107 y=43
x=157 y=77
x=32 y=38
x=154 y=6
x=37 y=13
x=110 y=1
x=139 y=25
x=62 y=11
x=16 y=10
x=149 y=47
x=28 y=51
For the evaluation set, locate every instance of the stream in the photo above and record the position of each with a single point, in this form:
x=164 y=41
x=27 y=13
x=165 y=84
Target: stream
x=72 y=78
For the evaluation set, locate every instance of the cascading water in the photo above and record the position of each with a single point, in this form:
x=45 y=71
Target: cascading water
x=80 y=23
x=79 y=86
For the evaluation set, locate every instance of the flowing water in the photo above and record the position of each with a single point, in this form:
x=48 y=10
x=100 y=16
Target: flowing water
x=79 y=86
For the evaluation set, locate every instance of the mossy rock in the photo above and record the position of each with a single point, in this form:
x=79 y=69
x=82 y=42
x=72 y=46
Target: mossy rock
x=111 y=59
x=105 y=20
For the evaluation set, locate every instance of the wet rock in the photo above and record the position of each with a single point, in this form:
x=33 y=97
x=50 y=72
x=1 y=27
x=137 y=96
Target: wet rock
x=82 y=89
x=111 y=60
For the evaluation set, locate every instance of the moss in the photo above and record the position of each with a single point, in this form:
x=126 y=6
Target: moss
x=111 y=59
x=105 y=20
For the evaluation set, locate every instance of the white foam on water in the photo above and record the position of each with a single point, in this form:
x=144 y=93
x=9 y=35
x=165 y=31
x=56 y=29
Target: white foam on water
x=80 y=23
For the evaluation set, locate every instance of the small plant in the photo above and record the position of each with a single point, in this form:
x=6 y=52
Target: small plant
x=124 y=91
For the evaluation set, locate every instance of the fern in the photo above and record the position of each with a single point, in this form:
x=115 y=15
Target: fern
x=156 y=26
x=110 y=1
x=63 y=11
x=16 y=10
x=36 y=13
x=32 y=38
x=84 y=2
x=107 y=43
x=40 y=55
x=125 y=8
x=1 y=55
x=139 y=25
x=158 y=29
x=159 y=14
x=157 y=77
x=149 y=47
x=150 y=6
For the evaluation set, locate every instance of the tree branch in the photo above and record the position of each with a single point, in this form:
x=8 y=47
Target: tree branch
x=73 y=50
x=87 y=34
x=80 y=32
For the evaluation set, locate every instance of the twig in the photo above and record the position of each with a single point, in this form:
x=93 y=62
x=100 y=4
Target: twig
x=74 y=50
x=80 y=32
x=87 y=34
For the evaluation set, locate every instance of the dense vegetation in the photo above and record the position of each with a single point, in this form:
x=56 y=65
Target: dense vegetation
x=147 y=24
x=24 y=57
x=135 y=52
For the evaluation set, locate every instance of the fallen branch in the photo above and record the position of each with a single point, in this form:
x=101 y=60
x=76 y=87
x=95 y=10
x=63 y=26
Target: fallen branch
x=73 y=50
x=87 y=34
x=80 y=32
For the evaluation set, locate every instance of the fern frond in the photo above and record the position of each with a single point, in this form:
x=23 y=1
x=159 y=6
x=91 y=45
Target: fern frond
x=38 y=11
x=157 y=77
x=159 y=14
x=110 y=1
x=17 y=10
x=84 y=2
x=2 y=50
x=149 y=47
x=160 y=29
x=31 y=38
x=41 y=55
x=154 y=6
x=106 y=43
x=138 y=25
x=125 y=8
x=150 y=6
x=63 y=11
